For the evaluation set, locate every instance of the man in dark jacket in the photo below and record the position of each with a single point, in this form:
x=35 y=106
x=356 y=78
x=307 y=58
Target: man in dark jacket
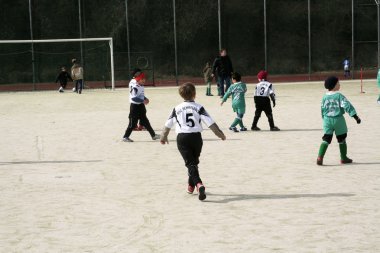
x=222 y=68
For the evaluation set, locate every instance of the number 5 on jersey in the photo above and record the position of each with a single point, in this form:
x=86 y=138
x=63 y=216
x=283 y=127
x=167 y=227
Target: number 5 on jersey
x=189 y=121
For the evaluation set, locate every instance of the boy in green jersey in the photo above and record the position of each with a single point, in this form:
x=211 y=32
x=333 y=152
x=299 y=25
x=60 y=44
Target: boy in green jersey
x=333 y=106
x=237 y=90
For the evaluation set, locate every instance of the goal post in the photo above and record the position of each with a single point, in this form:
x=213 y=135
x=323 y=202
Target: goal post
x=109 y=39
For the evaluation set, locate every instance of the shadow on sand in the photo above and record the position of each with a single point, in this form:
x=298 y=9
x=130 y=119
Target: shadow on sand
x=301 y=130
x=239 y=197
x=350 y=164
x=48 y=162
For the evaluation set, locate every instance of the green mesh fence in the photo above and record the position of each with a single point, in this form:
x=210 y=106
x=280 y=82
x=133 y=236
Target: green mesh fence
x=151 y=37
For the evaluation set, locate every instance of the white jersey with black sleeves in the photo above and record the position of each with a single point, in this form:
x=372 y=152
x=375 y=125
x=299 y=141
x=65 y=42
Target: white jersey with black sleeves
x=187 y=118
x=136 y=92
x=264 y=89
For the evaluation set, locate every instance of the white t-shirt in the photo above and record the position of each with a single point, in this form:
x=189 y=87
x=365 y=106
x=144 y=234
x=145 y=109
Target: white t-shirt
x=264 y=89
x=136 y=92
x=187 y=118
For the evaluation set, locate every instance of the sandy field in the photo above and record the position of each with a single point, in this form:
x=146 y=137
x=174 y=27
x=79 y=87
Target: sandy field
x=69 y=184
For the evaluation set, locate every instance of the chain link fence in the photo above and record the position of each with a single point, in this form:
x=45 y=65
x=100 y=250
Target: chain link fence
x=173 y=39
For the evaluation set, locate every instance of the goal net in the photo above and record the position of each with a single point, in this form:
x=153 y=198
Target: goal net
x=38 y=62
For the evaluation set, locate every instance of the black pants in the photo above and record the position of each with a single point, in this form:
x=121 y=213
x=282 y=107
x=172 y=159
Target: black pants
x=63 y=84
x=138 y=112
x=263 y=104
x=190 y=147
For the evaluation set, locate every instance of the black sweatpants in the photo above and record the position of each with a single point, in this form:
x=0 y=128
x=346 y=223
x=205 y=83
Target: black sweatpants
x=263 y=104
x=63 y=84
x=190 y=147
x=138 y=112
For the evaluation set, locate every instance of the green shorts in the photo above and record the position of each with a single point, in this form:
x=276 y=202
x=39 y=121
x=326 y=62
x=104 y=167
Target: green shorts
x=334 y=124
x=239 y=109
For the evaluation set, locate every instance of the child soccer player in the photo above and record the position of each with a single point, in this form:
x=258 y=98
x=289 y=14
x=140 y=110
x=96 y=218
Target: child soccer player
x=237 y=90
x=187 y=117
x=135 y=73
x=137 y=108
x=334 y=104
x=264 y=90
x=207 y=74
x=62 y=77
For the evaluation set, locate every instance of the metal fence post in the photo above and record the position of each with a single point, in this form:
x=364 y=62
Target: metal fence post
x=128 y=42
x=309 y=31
x=80 y=32
x=175 y=44
x=378 y=34
x=353 y=38
x=32 y=45
x=265 y=36
x=219 y=26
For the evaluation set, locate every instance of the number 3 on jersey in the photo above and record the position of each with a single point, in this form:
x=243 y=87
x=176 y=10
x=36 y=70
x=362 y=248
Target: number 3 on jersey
x=262 y=90
x=189 y=121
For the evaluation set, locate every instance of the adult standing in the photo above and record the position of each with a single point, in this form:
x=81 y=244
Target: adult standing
x=222 y=68
x=77 y=76
x=346 y=67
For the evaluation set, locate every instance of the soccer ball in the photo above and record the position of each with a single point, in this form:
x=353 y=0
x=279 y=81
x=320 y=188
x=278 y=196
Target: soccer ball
x=74 y=89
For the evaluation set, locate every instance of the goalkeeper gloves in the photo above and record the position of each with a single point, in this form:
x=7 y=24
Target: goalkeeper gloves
x=358 y=120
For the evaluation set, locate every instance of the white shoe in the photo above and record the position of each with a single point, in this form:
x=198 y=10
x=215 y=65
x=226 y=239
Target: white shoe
x=126 y=139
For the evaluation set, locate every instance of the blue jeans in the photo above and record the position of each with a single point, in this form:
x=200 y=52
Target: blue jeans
x=79 y=85
x=221 y=80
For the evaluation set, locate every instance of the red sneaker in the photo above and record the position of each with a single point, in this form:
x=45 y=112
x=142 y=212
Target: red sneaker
x=346 y=160
x=140 y=127
x=201 y=191
x=320 y=160
x=190 y=189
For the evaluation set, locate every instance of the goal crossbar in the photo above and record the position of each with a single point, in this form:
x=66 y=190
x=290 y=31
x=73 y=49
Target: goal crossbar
x=109 y=39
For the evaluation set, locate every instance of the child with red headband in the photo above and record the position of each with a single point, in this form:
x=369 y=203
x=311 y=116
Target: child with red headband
x=137 y=108
x=264 y=90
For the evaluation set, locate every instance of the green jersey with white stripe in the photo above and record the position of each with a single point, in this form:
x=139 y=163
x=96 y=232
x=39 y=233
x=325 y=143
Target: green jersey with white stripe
x=237 y=90
x=334 y=104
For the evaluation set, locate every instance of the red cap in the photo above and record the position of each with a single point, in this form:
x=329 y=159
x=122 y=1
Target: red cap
x=262 y=75
x=139 y=77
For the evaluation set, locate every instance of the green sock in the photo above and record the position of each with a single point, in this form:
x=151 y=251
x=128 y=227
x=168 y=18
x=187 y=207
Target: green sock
x=207 y=91
x=236 y=121
x=241 y=123
x=322 y=149
x=343 y=150
x=209 y=88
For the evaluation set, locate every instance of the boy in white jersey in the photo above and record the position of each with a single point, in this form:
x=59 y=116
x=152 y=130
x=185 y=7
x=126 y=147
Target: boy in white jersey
x=263 y=91
x=137 y=108
x=133 y=81
x=187 y=118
